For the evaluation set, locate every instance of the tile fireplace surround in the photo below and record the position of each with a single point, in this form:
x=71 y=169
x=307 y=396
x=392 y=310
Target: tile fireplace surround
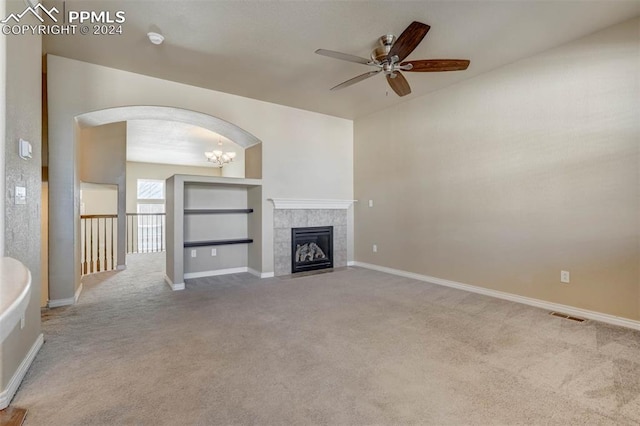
x=291 y=213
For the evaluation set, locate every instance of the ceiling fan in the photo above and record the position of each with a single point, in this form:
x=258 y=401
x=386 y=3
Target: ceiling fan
x=388 y=58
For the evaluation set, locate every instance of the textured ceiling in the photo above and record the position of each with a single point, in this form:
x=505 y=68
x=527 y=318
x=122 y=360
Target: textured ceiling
x=172 y=142
x=265 y=49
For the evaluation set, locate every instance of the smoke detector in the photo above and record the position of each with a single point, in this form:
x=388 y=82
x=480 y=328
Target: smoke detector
x=155 y=38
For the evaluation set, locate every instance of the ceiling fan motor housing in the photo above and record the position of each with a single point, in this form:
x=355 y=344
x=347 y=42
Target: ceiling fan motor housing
x=380 y=53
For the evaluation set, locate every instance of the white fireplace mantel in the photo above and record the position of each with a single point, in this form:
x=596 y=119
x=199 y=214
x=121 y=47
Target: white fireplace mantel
x=300 y=203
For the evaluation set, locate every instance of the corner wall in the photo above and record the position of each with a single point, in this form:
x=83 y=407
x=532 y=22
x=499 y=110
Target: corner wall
x=3 y=111
x=22 y=118
x=103 y=157
x=505 y=179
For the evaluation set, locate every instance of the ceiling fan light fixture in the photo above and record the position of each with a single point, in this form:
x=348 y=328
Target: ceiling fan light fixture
x=155 y=38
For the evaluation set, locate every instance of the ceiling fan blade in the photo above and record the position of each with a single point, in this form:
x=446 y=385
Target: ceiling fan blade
x=399 y=84
x=408 y=40
x=435 y=65
x=355 y=80
x=343 y=56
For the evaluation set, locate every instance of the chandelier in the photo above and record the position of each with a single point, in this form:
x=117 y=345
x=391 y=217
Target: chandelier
x=219 y=158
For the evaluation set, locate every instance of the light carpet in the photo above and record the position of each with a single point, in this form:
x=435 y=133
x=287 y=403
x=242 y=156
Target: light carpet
x=349 y=347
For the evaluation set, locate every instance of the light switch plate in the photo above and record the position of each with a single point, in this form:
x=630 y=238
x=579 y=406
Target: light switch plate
x=21 y=195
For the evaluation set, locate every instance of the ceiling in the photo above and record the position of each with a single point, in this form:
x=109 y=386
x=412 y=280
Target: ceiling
x=173 y=142
x=265 y=49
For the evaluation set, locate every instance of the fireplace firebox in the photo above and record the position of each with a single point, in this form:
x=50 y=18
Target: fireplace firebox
x=311 y=248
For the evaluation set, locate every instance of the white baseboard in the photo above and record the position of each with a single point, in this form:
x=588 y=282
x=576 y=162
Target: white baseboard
x=7 y=395
x=351 y=263
x=174 y=287
x=260 y=274
x=570 y=310
x=57 y=303
x=77 y=295
x=215 y=272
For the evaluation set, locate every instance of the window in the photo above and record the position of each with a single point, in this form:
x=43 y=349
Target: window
x=147 y=232
x=150 y=196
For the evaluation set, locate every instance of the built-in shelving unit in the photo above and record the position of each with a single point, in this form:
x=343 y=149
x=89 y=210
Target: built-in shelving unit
x=214 y=226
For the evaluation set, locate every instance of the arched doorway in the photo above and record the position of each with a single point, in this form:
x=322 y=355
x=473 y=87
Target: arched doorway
x=64 y=280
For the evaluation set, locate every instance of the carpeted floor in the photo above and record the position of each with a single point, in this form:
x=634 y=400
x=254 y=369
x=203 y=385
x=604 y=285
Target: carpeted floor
x=349 y=347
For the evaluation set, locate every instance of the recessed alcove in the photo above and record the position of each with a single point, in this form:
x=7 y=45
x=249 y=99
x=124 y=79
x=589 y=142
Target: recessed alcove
x=214 y=227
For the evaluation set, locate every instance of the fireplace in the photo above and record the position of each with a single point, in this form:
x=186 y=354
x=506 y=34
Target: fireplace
x=311 y=248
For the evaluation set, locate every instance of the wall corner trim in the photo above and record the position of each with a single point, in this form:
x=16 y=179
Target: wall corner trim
x=77 y=295
x=570 y=310
x=260 y=274
x=174 y=287
x=7 y=395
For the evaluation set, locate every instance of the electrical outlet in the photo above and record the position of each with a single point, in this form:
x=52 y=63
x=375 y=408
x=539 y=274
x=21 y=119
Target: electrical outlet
x=370 y=203
x=565 y=277
x=375 y=248
x=193 y=253
x=214 y=252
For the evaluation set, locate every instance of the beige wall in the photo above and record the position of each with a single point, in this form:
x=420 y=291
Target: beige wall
x=103 y=157
x=137 y=171
x=44 y=247
x=98 y=199
x=103 y=154
x=22 y=118
x=236 y=168
x=299 y=147
x=505 y=179
x=3 y=109
x=253 y=162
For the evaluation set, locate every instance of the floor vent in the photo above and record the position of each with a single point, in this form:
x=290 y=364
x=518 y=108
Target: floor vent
x=565 y=316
